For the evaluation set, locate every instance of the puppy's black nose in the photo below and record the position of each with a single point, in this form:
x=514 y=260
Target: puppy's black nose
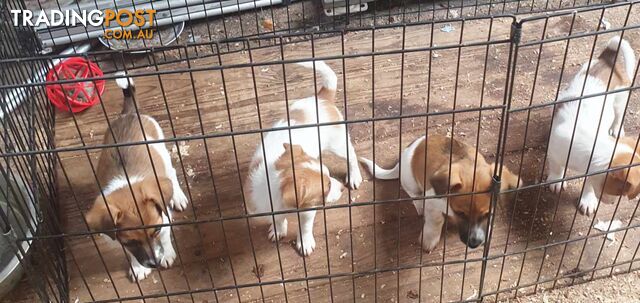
x=474 y=242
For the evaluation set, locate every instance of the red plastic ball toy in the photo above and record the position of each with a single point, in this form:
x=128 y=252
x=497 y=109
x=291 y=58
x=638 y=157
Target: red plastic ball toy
x=76 y=96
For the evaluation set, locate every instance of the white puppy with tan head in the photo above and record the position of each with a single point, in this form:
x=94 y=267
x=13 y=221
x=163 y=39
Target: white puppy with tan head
x=597 y=121
x=132 y=196
x=438 y=166
x=286 y=173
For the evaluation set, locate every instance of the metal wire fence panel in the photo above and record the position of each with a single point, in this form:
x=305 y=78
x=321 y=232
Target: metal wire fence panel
x=557 y=244
x=268 y=17
x=28 y=191
x=205 y=21
x=483 y=91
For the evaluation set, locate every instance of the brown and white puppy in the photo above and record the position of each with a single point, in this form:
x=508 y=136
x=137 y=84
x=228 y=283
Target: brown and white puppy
x=137 y=201
x=597 y=121
x=285 y=172
x=449 y=169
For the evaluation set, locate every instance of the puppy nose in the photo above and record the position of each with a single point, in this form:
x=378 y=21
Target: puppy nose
x=474 y=242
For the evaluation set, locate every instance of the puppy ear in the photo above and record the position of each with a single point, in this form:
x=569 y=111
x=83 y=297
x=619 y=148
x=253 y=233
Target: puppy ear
x=287 y=147
x=617 y=183
x=98 y=217
x=443 y=181
x=509 y=180
x=309 y=190
x=632 y=194
x=634 y=181
x=289 y=196
x=624 y=182
x=150 y=192
x=295 y=149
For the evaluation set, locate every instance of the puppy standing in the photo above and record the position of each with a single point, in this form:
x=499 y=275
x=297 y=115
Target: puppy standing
x=449 y=167
x=312 y=184
x=585 y=114
x=150 y=247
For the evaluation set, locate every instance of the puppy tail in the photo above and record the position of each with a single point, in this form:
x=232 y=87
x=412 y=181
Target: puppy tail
x=628 y=55
x=381 y=173
x=128 y=90
x=329 y=79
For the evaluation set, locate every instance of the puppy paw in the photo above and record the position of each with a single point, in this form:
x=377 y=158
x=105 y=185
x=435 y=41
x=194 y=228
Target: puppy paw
x=282 y=232
x=307 y=245
x=429 y=242
x=588 y=205
x=139 y=272
x=355 y=179
x=168 y=258
x=613 y=131
x=179 y=201
x=558 y=186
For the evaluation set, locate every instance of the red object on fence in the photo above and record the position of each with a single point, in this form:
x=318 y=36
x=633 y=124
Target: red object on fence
x=76 y=96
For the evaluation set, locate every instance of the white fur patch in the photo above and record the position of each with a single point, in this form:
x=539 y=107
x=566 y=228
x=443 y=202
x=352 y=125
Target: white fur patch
x=123 y=82
x=335 y=191
x=407 y=179
x=119 y=182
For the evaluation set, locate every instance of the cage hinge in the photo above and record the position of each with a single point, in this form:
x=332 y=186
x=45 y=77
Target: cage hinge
x=516 y=32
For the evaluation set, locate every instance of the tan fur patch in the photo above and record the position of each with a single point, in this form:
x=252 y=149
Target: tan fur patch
x=442 y=151
x=311 y=185
x=328 y=108
x=509 y=180
x=123 y=209
x=135 y=158
x=299 y=116
x=624 y=181
x=630 y=142
x=327 y=94
x=332 y=111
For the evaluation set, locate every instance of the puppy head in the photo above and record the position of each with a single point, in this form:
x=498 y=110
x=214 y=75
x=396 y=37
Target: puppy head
x=314 y=185
x=118 y=211
x=624 y=181
x=469 y=211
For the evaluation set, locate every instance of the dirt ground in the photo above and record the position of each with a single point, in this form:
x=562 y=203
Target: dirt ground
x=538 y=237
x=620 y=288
